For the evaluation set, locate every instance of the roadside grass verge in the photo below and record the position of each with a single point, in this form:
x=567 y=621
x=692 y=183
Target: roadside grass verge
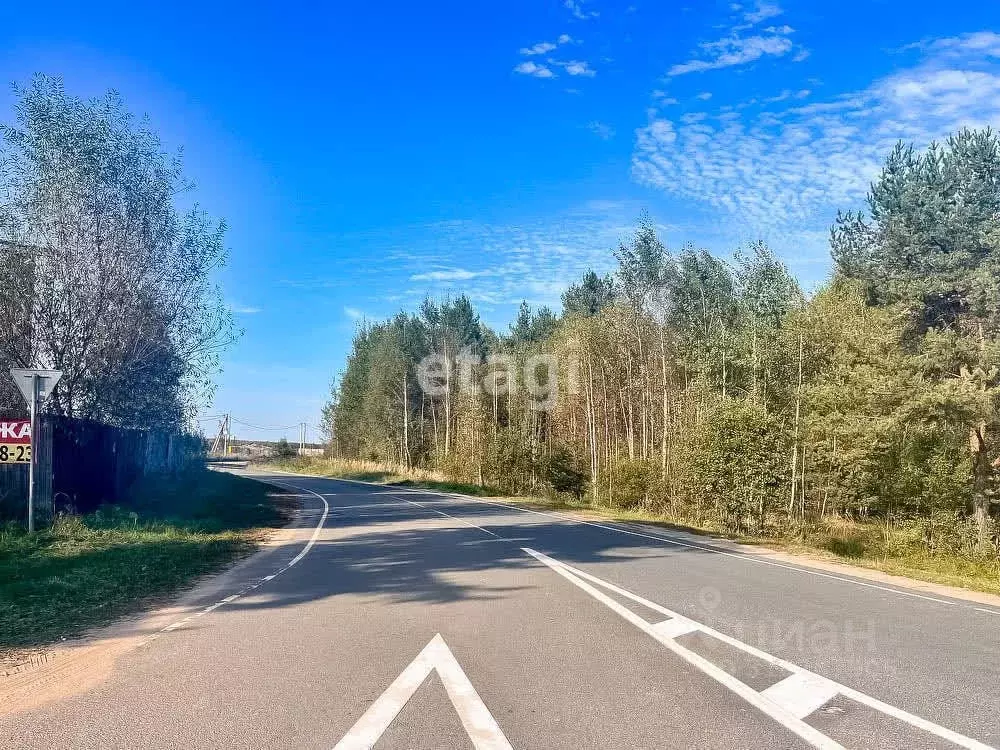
x=87 y=571
x=896 y=549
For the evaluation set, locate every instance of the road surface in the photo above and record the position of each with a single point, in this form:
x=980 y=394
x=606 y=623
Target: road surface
x=413 y=620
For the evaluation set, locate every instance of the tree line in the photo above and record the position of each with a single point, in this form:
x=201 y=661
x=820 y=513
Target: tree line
x=106 y=265
x=719 y=392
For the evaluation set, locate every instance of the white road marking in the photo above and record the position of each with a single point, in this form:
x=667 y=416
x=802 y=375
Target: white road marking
x=584 y=580
x=479 y=723
x=675 y=627
x=795 y=725
x=454 y=518
x=800 y=694
x=400 y=504
x=247 y=589
x=577 y=577
x=669 y=540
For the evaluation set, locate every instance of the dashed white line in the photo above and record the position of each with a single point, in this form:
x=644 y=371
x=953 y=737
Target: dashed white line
x=455 y=518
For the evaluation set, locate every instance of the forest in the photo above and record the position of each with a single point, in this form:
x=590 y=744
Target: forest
x=716 y=391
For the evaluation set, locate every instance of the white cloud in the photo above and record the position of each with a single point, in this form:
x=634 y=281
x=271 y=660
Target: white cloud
x=245 y=310
x=448 y=274
x=576 y=8
x=539 y=49
x=737 y=49
x=762 y=12
x=576 y=68
x=353 y=313
x=601 y=130
x=786 y=172
x=503 y=264
x=704 y=96
x=662 y=98
x=543 y=47
x=529 y=68
x=731 y=51
x=981 y=42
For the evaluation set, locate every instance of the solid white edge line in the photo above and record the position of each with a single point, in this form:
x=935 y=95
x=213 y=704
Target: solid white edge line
x=247 y=589
x=795 y=725
x=888 y=709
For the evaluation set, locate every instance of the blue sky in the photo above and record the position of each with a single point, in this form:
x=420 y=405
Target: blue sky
x=366 y=155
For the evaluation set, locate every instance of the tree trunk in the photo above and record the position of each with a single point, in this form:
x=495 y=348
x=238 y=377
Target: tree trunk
x=982 y=479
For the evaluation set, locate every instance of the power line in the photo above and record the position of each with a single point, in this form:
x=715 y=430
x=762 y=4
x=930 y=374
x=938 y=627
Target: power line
x=264 y=427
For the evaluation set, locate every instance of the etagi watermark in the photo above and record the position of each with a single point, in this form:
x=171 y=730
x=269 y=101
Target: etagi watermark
x=497 y=375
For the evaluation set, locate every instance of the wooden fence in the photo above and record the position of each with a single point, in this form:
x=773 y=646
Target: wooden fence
x=82 y=465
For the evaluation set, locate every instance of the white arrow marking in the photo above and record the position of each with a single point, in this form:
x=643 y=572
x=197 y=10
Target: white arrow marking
x=478 y=721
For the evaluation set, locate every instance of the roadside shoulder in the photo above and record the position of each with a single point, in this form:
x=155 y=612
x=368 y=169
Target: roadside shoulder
x=53 y=672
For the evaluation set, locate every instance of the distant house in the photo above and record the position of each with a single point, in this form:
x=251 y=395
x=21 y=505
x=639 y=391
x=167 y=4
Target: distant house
x=317 y=452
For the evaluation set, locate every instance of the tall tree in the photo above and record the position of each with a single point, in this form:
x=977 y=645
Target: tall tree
x=932 y=243
x=591 y=295
x=112 y=282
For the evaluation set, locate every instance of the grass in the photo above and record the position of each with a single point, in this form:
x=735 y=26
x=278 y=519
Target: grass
x=87 y=571
x=896 y=550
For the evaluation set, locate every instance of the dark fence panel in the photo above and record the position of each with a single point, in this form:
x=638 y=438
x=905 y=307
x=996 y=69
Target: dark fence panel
x=84 y=464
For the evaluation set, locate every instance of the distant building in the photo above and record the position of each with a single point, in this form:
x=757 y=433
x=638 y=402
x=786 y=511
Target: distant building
x=317 y=452
x=256 y=450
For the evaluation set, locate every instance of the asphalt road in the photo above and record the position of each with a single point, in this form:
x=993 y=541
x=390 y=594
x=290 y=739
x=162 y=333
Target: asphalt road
x=412 y=619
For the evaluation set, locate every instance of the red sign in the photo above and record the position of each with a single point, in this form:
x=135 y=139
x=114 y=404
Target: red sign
x=15 y=441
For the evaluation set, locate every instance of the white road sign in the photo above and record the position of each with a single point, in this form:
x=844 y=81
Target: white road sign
x=25 y=380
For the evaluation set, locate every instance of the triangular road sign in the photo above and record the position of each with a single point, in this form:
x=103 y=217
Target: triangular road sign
x=25 y=379
x=478 y=721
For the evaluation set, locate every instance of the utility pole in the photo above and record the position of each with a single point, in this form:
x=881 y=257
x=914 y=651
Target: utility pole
x=221 y=442
x=302 y=438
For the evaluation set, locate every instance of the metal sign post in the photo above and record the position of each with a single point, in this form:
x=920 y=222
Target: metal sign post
x=36 y=386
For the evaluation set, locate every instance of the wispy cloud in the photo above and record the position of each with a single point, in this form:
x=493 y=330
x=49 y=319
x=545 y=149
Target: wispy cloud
x=576 y=8
x=448 y=274
x=534 y=260
x=737 y=49
x=245 y=309
x=762 y=12
x=785 y=172
x=353 y=313
x=601 y=130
